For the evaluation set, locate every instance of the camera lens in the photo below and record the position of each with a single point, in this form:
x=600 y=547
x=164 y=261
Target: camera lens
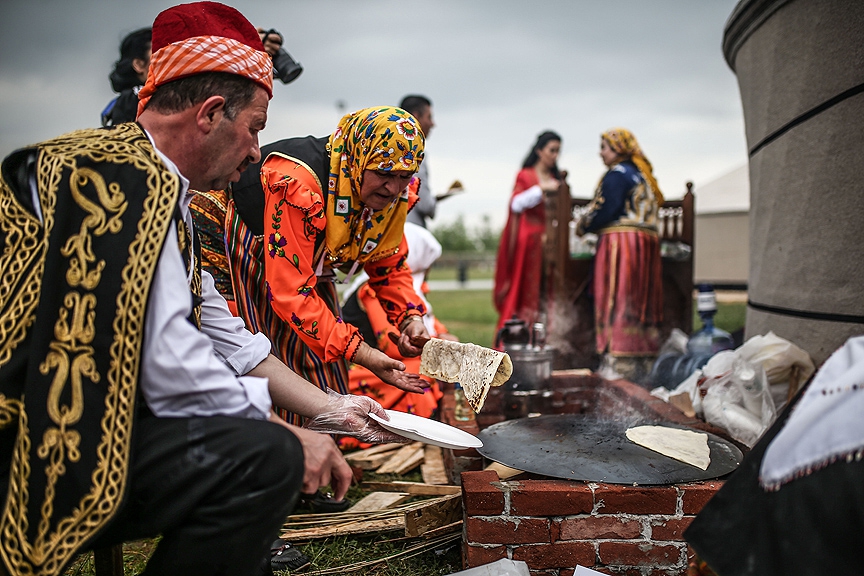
x=287 y=70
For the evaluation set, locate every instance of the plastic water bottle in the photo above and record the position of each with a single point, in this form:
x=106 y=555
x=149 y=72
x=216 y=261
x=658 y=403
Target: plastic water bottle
x=710 y=339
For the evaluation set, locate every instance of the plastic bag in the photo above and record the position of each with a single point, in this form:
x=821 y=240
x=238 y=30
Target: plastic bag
x=736 y=396
x=781 y=360
x=777 y=356
x=742 y=390
x=349 y=414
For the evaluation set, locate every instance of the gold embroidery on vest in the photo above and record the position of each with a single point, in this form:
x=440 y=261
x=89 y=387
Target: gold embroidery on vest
x=78 y=246
x=10 y=410
x=22 y=263
x=127 y=145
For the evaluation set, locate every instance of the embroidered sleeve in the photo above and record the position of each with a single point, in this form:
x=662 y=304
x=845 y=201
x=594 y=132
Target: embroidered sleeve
x=391 y=280
x=293 y=218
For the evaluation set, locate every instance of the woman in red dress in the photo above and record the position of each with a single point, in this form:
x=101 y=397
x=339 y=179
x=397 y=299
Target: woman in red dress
x=519 y=266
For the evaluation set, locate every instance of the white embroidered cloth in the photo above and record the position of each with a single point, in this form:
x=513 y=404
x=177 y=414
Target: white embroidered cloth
x=826 y=425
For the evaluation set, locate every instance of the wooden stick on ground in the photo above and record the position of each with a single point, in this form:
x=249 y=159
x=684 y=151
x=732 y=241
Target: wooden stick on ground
x=399 y=459
x=433 y=466
x=416 y=488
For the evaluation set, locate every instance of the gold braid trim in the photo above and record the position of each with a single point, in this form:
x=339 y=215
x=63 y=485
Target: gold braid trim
x=22 y=264
x=125 y=145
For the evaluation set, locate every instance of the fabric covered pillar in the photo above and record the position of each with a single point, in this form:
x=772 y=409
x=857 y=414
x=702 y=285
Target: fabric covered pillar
x=800 y=69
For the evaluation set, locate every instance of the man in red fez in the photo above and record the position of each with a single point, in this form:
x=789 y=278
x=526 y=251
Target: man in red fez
x=132 y=403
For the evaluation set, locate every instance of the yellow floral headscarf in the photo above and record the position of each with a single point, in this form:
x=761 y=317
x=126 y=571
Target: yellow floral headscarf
x=381 y=138
x=623 y=143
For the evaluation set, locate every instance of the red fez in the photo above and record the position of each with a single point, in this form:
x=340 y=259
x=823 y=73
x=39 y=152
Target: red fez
x=203 y=19
x=204 y=37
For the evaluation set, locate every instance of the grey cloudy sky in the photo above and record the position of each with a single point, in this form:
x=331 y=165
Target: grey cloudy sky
x=499 y=72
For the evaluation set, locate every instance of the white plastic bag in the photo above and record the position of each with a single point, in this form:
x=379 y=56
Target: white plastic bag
x=778 y=357
x=736 y=396
x=690 y=386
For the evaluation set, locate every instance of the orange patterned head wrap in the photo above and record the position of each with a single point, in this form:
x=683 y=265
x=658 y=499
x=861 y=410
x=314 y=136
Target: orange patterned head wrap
x=381 y=138
x=623 y=143
x=202 y=37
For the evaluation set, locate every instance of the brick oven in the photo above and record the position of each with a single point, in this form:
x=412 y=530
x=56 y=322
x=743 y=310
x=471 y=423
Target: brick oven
x=554 y=525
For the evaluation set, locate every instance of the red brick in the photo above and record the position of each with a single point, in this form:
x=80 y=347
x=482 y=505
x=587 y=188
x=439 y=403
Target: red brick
x=636 y=499
x=550 y=498
x=507 y=531
x=602 y=527
x=479 y=496
x=671 y=529
x=478 y=556
x=638 y=554
x=696 y=495
x=558 y=555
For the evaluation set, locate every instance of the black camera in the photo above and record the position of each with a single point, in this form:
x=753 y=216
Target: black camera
x=285 y=67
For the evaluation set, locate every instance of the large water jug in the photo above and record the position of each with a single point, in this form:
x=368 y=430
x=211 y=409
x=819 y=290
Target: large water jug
x=710 y=339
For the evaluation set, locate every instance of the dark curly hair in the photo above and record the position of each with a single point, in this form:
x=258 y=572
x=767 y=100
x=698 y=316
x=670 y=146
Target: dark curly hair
x=135 y=45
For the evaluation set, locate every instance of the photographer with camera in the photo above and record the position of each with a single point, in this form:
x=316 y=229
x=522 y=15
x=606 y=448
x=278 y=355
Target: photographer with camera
x=128 y=76
x=284 y=66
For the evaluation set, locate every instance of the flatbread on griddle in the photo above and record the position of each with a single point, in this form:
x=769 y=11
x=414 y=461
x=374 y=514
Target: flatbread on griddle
x=476 y=368
x=686 y=446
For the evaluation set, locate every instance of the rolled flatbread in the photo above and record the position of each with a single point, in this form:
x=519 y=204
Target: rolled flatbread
x=476 y=368
x=686 y=446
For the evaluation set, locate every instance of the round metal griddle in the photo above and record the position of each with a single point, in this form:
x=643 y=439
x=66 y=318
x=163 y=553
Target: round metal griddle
x=585 y=447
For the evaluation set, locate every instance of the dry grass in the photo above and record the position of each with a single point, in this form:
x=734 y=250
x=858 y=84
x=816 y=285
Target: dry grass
x=388 y=554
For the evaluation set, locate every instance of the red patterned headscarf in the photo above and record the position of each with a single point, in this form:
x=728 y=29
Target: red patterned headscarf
x=623 y=143
x=202 y=37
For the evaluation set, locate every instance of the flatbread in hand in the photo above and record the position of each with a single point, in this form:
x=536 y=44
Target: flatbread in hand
x=476 y=368
x=686 y=446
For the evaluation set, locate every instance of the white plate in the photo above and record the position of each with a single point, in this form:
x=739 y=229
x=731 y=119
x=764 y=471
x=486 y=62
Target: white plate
x=427 y=431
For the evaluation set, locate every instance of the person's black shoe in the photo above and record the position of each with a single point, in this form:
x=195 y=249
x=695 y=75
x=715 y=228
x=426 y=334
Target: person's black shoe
x=321 y=503
x=284 y=556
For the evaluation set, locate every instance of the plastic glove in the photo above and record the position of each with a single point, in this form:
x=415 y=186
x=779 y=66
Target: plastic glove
x=349 y=415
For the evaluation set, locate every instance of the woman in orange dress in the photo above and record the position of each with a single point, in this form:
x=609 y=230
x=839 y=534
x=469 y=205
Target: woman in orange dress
x=315 y=206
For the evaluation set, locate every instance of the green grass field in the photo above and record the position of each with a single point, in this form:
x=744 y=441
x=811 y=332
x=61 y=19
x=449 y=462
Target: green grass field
x=470 y=315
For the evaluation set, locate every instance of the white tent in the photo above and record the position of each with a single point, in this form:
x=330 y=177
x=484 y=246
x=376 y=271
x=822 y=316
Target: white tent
x=722 y=229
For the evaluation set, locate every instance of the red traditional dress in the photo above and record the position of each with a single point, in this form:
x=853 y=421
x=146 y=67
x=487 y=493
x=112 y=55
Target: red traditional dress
x=519 y=265
x=628 y=287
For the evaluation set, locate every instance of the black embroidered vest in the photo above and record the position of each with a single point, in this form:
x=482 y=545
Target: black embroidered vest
x=73 y=294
